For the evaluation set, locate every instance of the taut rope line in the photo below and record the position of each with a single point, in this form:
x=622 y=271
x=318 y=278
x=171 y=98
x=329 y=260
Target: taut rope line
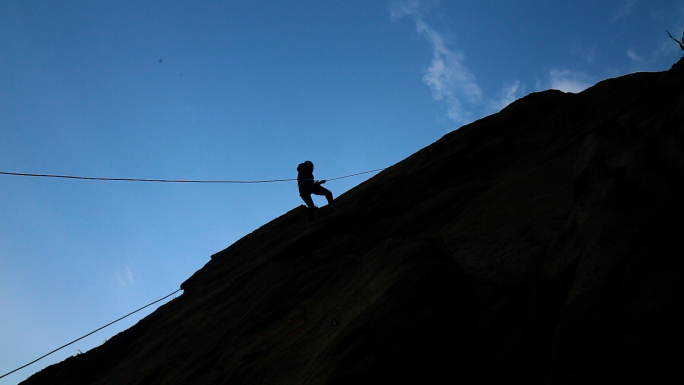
x=171 y=180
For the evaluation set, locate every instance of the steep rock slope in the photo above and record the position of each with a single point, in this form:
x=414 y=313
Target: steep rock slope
x=542 y=244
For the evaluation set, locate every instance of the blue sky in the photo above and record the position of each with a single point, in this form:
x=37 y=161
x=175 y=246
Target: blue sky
x=243 y=90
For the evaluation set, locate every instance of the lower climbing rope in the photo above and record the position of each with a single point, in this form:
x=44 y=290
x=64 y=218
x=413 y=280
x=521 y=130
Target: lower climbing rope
x=94 y=331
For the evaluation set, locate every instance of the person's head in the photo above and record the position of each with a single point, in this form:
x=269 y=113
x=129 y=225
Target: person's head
x=306 y=166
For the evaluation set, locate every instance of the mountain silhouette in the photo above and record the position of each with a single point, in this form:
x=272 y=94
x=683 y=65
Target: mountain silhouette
x=543 y=244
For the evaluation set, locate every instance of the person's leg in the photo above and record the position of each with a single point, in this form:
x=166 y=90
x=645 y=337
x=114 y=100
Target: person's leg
x=307 y=199
x=311 y=208
x=328 y=196
x=320 y=190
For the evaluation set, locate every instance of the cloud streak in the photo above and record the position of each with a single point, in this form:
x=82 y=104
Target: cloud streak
x=569 y=81
x=401 y=8
x=625 y=9
x=447 y=76
x=125 y=276
x=454 y=85
x=508 y=94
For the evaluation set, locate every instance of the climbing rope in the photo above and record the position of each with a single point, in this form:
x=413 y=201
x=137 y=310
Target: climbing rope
x=171 y=180
x=94 y=331
x=143 y=180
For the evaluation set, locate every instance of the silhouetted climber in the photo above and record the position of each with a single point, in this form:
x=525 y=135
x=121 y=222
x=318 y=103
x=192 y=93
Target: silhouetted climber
x=678 y=41
x=307 y=186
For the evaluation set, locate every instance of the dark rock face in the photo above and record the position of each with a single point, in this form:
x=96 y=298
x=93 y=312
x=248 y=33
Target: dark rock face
x=540 y=245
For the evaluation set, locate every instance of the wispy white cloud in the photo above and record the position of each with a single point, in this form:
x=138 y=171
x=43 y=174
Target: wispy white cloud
x=125 y=276
x=414 y=8
x=637 y=59
x=508 y=94
x=625 y=9
x=453 y=84
x=569 y=81
x=447 y=76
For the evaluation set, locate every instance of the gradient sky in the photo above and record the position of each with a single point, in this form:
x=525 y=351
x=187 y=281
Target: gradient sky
x=243 y=90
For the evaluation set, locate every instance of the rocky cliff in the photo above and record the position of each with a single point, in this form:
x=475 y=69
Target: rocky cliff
x=543 y=244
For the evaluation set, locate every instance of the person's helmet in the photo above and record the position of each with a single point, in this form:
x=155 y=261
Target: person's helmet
x=306 y=166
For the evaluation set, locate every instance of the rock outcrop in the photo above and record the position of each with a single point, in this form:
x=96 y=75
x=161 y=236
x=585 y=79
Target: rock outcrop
x=543 y=244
